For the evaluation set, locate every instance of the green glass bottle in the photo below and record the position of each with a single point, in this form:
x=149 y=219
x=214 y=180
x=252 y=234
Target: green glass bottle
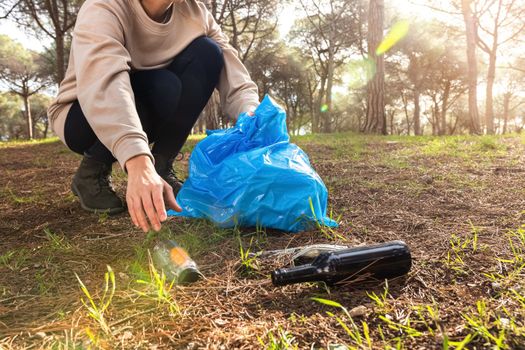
x=175 y=262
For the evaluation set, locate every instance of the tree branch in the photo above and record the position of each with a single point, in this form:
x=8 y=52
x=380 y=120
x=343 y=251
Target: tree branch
x=10 y=9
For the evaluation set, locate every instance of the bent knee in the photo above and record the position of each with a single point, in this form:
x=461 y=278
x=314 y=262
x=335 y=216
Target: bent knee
x=210 y=51
x=164 y=83
x=158 y=83
x=160 y=89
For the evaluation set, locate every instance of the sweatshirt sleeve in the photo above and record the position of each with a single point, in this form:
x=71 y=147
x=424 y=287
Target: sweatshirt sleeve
x=237 y=90
x=102 y=66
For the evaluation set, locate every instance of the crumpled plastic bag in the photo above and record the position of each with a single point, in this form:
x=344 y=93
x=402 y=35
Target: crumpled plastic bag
x=251 y=175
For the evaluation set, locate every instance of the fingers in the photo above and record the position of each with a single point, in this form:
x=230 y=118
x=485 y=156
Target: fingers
x=139 y=215
x=170 y=197
x=158 y=202
x=136 y=212
x=147 y=204
x=145 y=197
x=131 y=212
x=146 y=208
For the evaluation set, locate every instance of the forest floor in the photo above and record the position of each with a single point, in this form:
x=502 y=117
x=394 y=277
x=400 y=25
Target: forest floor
x=458 y=202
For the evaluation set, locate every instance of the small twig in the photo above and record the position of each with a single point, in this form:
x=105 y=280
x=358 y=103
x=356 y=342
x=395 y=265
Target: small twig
x=18 y=297
x=105 y=236
x=417 y=278
x=35 y=330
x=116 y=323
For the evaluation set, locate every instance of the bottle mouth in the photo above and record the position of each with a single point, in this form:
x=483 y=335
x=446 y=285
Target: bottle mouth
x=189 y=275
x=304 y=273
x=276 y=277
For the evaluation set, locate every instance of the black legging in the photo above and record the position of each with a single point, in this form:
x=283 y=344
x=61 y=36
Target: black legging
x=168 y=102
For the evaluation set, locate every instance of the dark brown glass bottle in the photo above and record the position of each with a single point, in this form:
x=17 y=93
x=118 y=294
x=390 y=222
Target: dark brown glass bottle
x=380 y=261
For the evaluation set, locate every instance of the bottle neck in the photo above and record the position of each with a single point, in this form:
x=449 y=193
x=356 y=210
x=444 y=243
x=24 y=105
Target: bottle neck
x=303 y=273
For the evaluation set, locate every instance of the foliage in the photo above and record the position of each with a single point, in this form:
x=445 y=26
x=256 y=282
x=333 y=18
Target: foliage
x=319 y=70
x=20 y=72
x=158 y=288
x=97 y=309
x=281 y=341
x=11 y=119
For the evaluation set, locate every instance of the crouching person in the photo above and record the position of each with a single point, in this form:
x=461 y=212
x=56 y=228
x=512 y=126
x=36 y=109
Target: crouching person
x=140 y=72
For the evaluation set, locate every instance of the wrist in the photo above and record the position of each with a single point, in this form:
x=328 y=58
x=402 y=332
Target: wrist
x=139 y=162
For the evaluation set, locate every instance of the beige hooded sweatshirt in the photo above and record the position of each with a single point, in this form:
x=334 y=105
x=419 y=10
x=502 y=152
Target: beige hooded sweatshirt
x=112 y=38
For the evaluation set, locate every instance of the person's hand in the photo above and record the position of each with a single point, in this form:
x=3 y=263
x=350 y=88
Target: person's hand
x=146 y=193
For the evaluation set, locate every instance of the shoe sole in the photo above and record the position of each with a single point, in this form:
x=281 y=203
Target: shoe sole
x=109 y=211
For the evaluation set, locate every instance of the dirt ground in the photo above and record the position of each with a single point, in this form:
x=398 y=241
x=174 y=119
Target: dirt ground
x=458 y=202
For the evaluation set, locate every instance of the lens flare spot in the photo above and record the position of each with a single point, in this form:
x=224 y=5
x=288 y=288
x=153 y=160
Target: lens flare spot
x=360 y=72
x=398 y=31
x=324 y=108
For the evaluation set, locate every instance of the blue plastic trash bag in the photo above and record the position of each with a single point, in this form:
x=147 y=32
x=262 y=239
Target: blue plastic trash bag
x=251 y=175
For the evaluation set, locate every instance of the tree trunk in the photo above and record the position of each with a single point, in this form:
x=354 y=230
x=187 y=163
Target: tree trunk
x=60 y=54
x=435 y=118
x=471 y=33
x=201 y=122
x=311 y=102
x=417 y=112
x=330 y=81
x=452 y=129
x=404 y=98
x=375 y=109
x=29 y=119
x=506 y=109
x=213 y=114
x=491 y=73
x=489 y=105
x=444 y=107
x=46 y=127
x=391 y=119
x=317 y=111
x=288 y=111
x=234 y=40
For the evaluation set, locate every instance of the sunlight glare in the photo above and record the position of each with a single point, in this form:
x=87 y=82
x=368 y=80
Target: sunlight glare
x=398 y=31
x=359 y=72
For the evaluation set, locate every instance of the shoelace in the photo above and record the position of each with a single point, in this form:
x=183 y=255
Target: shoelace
x=104 y=180
x=172 y=176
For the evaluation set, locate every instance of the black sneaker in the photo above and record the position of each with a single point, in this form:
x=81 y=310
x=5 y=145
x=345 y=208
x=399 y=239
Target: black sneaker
x=92 y=185
x=164 y=167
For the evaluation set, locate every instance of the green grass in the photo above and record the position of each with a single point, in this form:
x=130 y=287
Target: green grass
x=510 y=269
x=56 y=241
x=465 y=147
x=14 y=260
x=399 y=162
x=198 y=236
x=490 y=323
x=44 y=284
x=191 y=142
x=35 y=142
x=342 y=146
x=158 y=288
x=353 y=147
x=282 y=340
x=97 y=307
x=491 y=315
x=460 y=181
x=249 y=262
x=28 y=197
x=359 y=336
